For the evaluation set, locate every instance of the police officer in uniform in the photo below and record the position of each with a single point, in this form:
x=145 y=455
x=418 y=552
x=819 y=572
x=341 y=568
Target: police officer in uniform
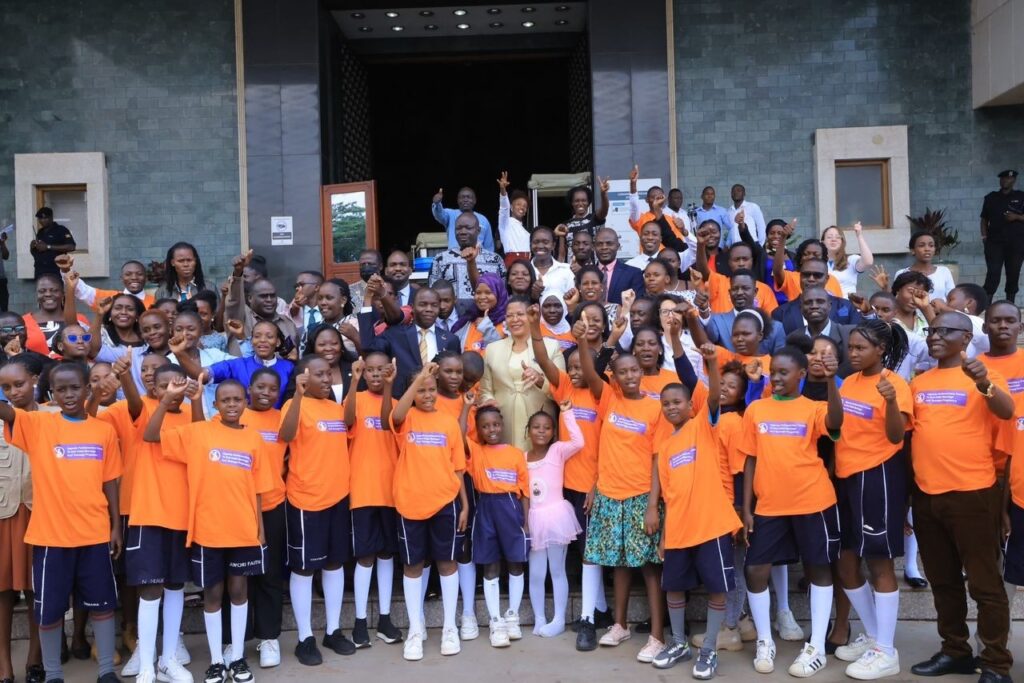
x=1002 y=231
x=52 y=240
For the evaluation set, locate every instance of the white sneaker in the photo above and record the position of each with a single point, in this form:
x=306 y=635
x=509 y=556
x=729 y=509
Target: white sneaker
x=450 y=642
x=499 y=633
x=764 y=658
x=651 y=649
x=853 y=651
x=412 y=651
x=786 y=626
x=470 y=629
x=171 y=671
x=874 y=664
x=181 y=653
x=512 y=625
x=729 y=639
x=809 y=662
x=146 y=676
x=133 y=665
x=270 y=653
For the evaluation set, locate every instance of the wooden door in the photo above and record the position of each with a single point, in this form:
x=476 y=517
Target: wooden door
x=348 y=219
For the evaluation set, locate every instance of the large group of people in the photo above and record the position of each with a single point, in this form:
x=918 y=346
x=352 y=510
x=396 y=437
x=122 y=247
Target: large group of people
x=708 y=412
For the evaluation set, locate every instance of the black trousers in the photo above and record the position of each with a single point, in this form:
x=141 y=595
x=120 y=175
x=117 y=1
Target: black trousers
x=266 y=592
x=5 y=296
x=1003 y=253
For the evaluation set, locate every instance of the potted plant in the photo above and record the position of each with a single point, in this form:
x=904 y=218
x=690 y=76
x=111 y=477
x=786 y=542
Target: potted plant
x=946 y=238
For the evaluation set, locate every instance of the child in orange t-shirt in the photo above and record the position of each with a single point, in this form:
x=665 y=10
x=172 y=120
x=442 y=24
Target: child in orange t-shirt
x=796 y=515
x=374 y=520
x=699 y=521
x=430 y=496
x=228 y=472
x=75 y=527
x=318 y=521
x=500 y=523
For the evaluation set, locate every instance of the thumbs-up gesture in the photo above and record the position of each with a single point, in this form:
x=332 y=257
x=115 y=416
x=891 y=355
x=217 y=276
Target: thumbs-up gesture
x=973 y=368
x=439 y=196
x=885 y=388
x=302 y=383
x=531 y=375
x=634 y=174
x=741 y=217
x=389 y=373
x=239 y=263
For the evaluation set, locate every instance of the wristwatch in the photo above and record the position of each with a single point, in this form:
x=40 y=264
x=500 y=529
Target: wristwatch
x=989 y=392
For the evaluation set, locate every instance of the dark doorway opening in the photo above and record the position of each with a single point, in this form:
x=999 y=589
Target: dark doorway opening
x=461 y=122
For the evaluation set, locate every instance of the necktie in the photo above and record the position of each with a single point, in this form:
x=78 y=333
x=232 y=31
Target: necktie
x=442 y=325
x=311 y=319
x=423 y=347
x=607 y=279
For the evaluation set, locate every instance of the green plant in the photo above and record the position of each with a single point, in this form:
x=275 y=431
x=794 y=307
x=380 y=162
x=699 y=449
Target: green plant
x=934 y=222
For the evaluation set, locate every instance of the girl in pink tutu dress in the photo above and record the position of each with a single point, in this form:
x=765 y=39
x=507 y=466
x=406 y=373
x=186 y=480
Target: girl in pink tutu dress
x=553 y=522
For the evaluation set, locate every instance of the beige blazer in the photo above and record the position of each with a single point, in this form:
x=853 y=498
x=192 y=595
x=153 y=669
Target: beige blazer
x=502 y=382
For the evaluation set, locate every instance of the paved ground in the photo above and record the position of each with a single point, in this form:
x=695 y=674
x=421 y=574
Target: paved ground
x=534 y=659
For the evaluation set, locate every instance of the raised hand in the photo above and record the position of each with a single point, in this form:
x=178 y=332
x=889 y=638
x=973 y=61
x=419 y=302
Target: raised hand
x=65 y=262
x=628 y=297
x=973 y=368
x=696 y=279
x=880 y=277
x=177 y=344
x=680 y=225
x=605 y=184
x=349 y=331
x=921 y=299
x=789 y=228
x=235 y=328
x=741 y=217
x=503 y=182
x=533 y=314
x=428 y=370
x=572 y=298
x=701 y=299
x=239 y=263
x=634 y=174
x=177 y=389
x=885 y=388
x=857 y=228
x=754 y=370
x=302 y=382
x=104 y=305
x=72 y=278
x=469 y=398
x=438 y=196
x=658 y=204
x=579 y=330
x=565 y=405
x=709 y=352
x=531 y=375
x=389 y=373
x=13 y=347
x=537 y=289
x=374 y=287
x=122 y=365
x=829 y=364
x=860 y=303
x=357 y=369
x=195 y=387
x=470 y=253
x=561 y=230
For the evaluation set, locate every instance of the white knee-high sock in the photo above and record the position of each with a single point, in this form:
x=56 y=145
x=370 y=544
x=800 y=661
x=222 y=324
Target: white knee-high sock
x=425 y=576
x=821 y=608
x=450 y=598
x=887 y=608
x=515 y=592
x=239 y=615
x=600 y=597
x=910 y=567
x=491 y=598
x=301 y=590
x=174 y=607
x=149 y=621
x=560 y=589
x=760 y=612
x=414 y=603
x=361 y=588
x=213 y=636
x=780 y=583
x=592 y=588
x=385 y=579
x=538 y=573
x=334 y=590
x=863 y=601
x=467 y=586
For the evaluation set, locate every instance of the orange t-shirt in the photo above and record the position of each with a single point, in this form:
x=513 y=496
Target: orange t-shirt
x=954 y=432
x=266 y=423
x=227 y=469
x=862 y=442
x=718 y=294
x=648 y=217
x=726 y=356
x=374 y=455
x=475 y=339
x=792 y=289
x=453 y=407
x=318 y=460
x=1010 y=439
x=1012 y=369
x=581 y=469
x=651 y=385
x=790 y=478
x=498 y=469
x=626 y=449
x=730 y=437
x=695 y=485
x=565 y=340
x=70 y=460
x=431 y=457
x=147 y=299
x=160 y=485
x=118 y=417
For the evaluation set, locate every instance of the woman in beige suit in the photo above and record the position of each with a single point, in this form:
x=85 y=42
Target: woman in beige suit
x=511 y=377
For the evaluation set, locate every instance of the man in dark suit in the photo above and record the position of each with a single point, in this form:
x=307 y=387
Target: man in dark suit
x=815 y=306
x=814 y=273
x=618 y=277
x=411 y=345
x=742 y=291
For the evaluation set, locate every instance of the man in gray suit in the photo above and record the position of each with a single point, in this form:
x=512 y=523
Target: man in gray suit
x=742 y=291
x=816 y=306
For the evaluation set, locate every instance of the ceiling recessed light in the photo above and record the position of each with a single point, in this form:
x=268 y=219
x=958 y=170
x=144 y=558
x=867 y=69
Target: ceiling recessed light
x=495 y=24
x=562 y=22
x=397 y=28
x=430 y=27
x=366 y=29
x=459 y=12
x=494 y=10
x=528 y=24
x=426 y=13
x=462 y=27
x=527 y=10
x=357 y=15
x=562 y=8
x=391 y=15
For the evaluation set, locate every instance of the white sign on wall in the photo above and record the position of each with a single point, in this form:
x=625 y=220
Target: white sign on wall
x=281 y=233
x=618 y=213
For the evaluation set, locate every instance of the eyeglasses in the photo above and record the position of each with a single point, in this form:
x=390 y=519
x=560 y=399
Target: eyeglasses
x=306 y=284
x=75 y=338
x=12 y=330
x=943 y=332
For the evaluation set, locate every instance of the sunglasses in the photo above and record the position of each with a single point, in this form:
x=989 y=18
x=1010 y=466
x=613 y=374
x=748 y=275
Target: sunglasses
x=8 y=329
x=75 y=338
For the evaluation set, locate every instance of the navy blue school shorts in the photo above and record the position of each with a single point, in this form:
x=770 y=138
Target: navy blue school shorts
x=435 y=538
x=873 y=509
x=85 y=571
x=1013 y=556
x=154 y=554
x=211 y=565
x=374 y=531
x=577 y=499
x=812 y=538
x=710 y=563
x=498 y=529
x=319 y=539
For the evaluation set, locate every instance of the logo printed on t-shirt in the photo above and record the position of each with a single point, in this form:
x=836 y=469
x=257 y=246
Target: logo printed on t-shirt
x=685 y=458
x=942 y=398
x=774 y=428
x=1020 y=424
x=331 y=426
x=373 y=423
x=858 y=408
x=501 y=475
x=428 y=439
x=627 y=423
x=231 y=458
x=585 y=414
x=78 y=451
x=269 y=437
x=1016 y=385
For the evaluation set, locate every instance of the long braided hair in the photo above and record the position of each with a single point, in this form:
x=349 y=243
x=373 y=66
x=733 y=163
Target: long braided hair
x=890 y=337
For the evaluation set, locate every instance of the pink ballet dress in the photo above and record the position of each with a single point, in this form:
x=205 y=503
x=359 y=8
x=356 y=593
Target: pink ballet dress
x=552 y=518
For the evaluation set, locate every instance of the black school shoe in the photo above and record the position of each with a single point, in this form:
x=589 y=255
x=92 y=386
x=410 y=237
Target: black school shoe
x=915 y=582
x=217 y=673
x=387 y=631
x=35 y=674
x=109 y=677
x=941 y=664
x=240 y=672
x=307 y=652
x=586 y=636
x=361 y=634
x=988 y=676
x=339 y=643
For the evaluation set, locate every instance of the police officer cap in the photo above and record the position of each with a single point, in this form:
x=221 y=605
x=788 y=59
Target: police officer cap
x=47 y=212
x=1009 y=173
